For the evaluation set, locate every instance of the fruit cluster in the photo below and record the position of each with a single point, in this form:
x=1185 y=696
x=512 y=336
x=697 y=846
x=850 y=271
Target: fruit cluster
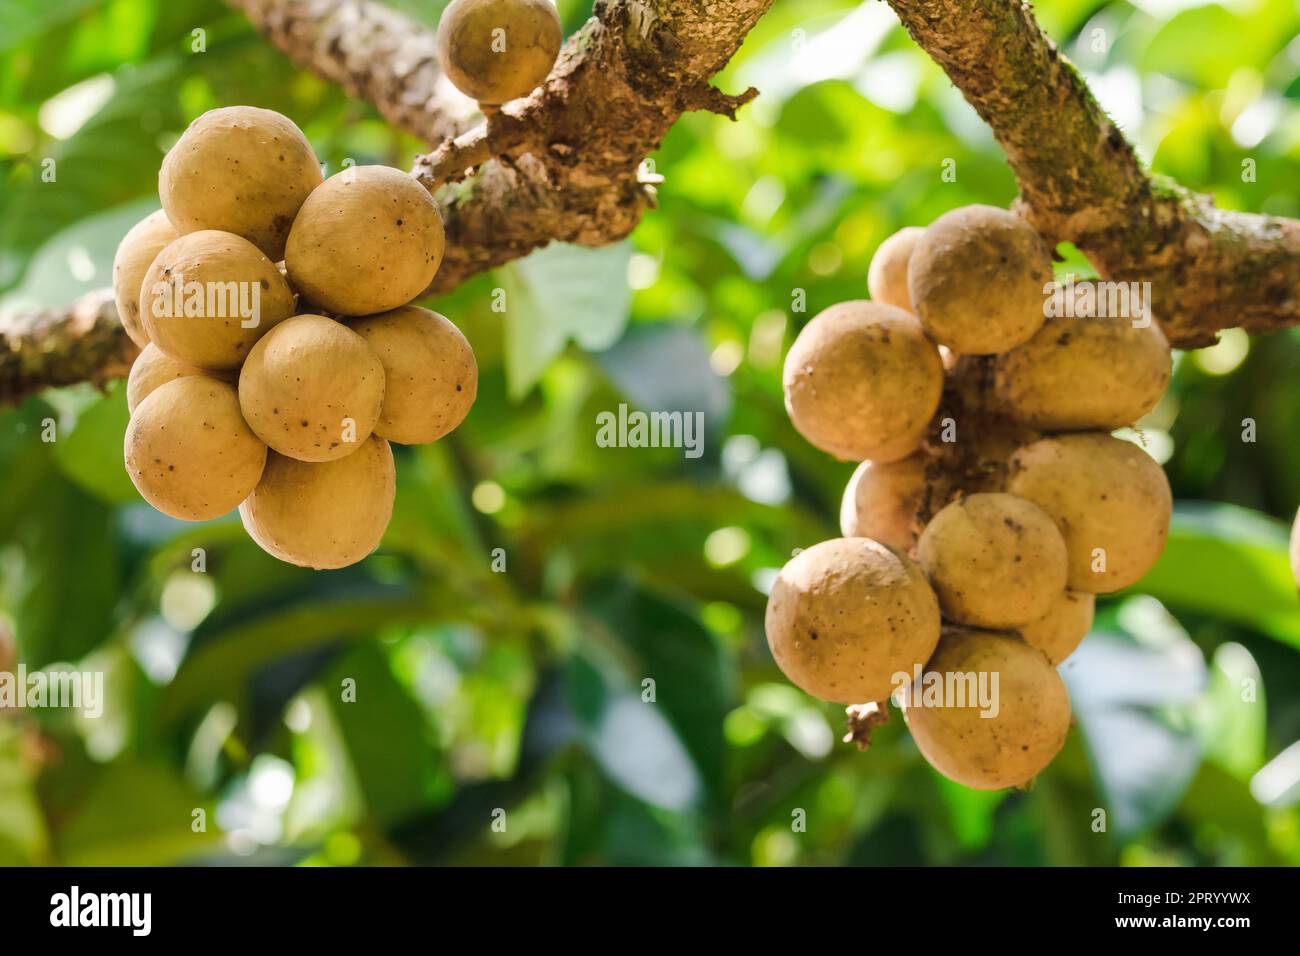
x=995 y=573
x=280 y=353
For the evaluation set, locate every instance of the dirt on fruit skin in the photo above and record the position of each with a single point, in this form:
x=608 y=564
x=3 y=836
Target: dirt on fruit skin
x=189 y=452
x=369 y=239
x=862 y=381
x=1003 y=738
x=995 y=560
x=323 y=514
x=847 y=616
x=1110 y=499
x=959 y=259
x=239 y=169
x=430 y=375
x=312 y=389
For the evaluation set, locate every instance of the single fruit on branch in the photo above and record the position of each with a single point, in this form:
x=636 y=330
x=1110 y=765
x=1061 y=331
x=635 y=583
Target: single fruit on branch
x=498 y=50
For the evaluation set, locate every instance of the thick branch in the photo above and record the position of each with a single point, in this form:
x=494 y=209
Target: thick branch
x=568 y=158
x=83 y=342
x=563 y=164
x=373 y=52
x=1081 y=181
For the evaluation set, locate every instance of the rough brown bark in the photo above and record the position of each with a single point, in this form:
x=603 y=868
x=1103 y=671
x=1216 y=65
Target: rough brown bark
x=1081 y=181
x=563 y=163
x=566 y=160
x=83 y=342
x=372 y=51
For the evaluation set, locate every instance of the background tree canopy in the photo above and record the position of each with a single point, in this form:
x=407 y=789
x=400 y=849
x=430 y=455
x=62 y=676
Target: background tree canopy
x=534 y=589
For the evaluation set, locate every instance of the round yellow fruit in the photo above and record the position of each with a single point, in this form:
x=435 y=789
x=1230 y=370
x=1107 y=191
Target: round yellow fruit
x=994 y=560
x=151 y=368
x=188 y=450
x=847 y=617
x=1084 y=373
x=368 y=240
x=208 y=296
x=1109 y=498
x=325 y=514
x=312 y=389
x=242 y=170
x=881 y=501
x=862 y=381
x=1058 y=632
x=887 y=274
x=498 y=50
x=135 y=253
x=978 y=278
x=989 y=711
x=431 y=378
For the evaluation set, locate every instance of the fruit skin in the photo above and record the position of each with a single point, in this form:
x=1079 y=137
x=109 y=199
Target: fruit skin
x=1102 y=493
x=862 y=381
x=368 y=240
x=189 y=452
x=323 y=514
x=881 y=500
x=848 y=615
x=472 y=58
x=214 y=260
x=887 y=274
x=994 y=560
x=135 y=253
x=239 y=169
x=1084 y=373
x=1057 y=633
x=977 y=278
x=151 y=368
x=1004 y=750
x=303 y=379
x=430 y=376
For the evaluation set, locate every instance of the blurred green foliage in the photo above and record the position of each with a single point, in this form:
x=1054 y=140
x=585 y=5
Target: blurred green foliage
x=534 y=589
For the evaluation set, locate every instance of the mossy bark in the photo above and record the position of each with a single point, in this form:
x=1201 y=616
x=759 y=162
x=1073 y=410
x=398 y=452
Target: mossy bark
x=1080 y=180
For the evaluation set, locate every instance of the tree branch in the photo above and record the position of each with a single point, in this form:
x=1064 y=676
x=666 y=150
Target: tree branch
x=372 y=51
x=83 y=342
x=562 y=164
x=566 y=161
x=1081 y=181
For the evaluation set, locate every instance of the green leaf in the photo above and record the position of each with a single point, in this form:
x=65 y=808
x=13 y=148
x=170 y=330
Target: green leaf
x=673 y=649
x=665 y=367
x=630 y=738
x=1230 y=563
x=91 y=452
x=1207 y=44
x=393 y=755
x=64 y=585
x=225 y=659
x=23 y=837
x=77 y=260
x=1135 y=697
x=21 y=20
x=557 y=294
x=1234 y=721
x=135 y=814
